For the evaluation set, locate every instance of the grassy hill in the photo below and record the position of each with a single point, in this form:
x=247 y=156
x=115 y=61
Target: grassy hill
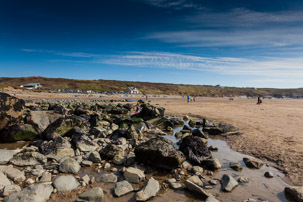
x=147 y=87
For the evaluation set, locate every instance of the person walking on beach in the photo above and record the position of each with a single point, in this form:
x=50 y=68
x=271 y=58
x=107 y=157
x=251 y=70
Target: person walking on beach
x=259 y=100
x=188 y=99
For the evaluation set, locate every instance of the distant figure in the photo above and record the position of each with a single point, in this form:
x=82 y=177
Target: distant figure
x=191 y=99
x=194 y=99
x=188 y=99
x=137 y=109
x=146 y=97
x=259 y=100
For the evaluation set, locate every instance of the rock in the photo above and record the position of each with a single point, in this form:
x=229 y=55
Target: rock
x=133 y=175
x=196 y=180
x=211 y=198
x=199 y=133
x=59 y=128
x=10 y=189
x=94 y=157
x=122 y=188
x=84 y=144
x=28 y=159
x=11 y=110
x=6 y=155
x=186 y=165
x=3 y=181
x=29 y=181
x=42 y=119
x=107 y=166
x=34 y=193
x=86 y=163
x=194 y=150
x=212 y=164
x=197 y=169
x=46 y=177
x=253 y=163
x=119 y=159
x=20 y=132
x=269 y=175
x=69 y=165
x=295 y=192
x=85 y=179
x=61 y=152
x=236 y=166
x=175 y=186
x=213 y=148
x=110 y=151
x=106 y=178
x=13 y=173
x=185 y=118
x=192 y=187
x=92 y=195
x=159 y=153
x=228 y=183
x=149 y=112
x=243 y=180
x=149 y=190
x=65 y=183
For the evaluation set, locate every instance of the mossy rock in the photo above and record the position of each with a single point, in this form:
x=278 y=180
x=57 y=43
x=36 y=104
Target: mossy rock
x=137 y=120
x=24 y=132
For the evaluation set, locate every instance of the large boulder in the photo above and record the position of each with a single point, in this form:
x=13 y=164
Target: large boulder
x=11 y=110
x=159 y=153
x=34 y=193
x=294 y=193
x=149 y=112
x=42 y=119
x=195 y=150
x=60 y=127
x=12 y=173
x=20 y=132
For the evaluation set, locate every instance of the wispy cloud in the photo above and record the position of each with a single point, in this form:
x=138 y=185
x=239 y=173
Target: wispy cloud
x=175 y=4
x=238 y=28
x=63 y=53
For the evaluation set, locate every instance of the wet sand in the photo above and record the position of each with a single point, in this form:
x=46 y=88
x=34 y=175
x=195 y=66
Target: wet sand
x=271 y=131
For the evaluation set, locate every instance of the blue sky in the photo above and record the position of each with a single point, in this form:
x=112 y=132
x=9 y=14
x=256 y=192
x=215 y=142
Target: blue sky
x=240 y=43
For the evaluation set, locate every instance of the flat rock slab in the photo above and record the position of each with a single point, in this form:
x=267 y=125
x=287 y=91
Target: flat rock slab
x=13 y=173
x=150 y=189
x=4 y=181
x=34 y=193
x=6 y=155
x=122 y=188
x=192 y=187
x=107 y=178
x=65 y=183
x=92 y=195
x=28 y=159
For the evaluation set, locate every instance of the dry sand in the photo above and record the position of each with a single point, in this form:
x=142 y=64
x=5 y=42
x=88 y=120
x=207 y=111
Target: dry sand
x=272 y=131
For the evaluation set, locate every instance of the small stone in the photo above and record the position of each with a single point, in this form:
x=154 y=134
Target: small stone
x=253 y=163
x=196 y=189
x=69 y=165
x=46 y=177
x=213 y=182
x=107 y=166
x=269 y=175
x=29 y=181
x=243 y=180
x=94 y=157
x=175 y=186
x=198 y=169
x=213 y=148
x=65 y=183
x=86 y=163
x=196 y=180
x=85 y=179
x=236 y=166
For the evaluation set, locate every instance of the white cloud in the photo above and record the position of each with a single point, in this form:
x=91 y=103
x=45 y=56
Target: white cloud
x=63 y=53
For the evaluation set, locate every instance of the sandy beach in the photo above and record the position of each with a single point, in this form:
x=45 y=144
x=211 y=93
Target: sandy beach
x=271 y=131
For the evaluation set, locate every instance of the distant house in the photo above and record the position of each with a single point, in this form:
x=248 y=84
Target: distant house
x=31 y=86
x=132 y=90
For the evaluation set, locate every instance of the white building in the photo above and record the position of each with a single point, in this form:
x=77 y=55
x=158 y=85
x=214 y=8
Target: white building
x=132 y=90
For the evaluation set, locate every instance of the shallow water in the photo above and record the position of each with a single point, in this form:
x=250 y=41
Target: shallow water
x=258 y=186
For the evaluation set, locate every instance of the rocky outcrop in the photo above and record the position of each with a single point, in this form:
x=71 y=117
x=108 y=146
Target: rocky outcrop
x=295 y=193
x=195 y=150
x=11 y=110
x=159 y=153
x=149 y=112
